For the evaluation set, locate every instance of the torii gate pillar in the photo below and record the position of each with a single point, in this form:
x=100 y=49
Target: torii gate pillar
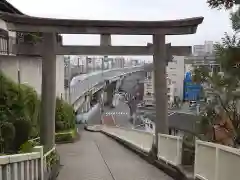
x=160 y=85
x=105 y=40
x=48 y=100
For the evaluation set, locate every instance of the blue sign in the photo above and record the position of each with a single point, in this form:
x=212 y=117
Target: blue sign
x=192 y=90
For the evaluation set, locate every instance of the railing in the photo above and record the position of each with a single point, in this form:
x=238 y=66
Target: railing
x=170 y=149
x=6 y=45
x=216 y=162
x=212 y=161
x=22 y=166
x=28 y=166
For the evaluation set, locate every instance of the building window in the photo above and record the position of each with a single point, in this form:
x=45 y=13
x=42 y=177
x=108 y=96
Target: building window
x=168 y=89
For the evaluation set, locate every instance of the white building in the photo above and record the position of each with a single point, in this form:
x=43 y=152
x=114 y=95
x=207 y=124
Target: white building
x=205 y=49
x=175 y=72
x=149 y=91
x=26 y=69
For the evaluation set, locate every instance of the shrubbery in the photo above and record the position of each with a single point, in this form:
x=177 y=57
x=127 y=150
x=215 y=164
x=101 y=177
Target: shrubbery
x=19 y=115
x=66 y=136
x=65 y=116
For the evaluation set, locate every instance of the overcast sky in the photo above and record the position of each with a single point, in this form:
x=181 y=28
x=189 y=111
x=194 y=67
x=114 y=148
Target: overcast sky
x=214 y=25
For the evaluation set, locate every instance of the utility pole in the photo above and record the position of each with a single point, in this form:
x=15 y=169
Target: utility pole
x=69 y=79
x=103 y=61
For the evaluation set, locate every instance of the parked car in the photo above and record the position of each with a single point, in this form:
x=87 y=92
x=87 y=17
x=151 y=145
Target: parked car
x=192 y=104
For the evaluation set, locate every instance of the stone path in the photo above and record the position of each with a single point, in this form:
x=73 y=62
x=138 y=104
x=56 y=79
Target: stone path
x=97 y=157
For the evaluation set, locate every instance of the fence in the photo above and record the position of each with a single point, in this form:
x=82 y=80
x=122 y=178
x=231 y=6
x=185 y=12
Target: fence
x=170 y=149
x=28 y=166
x=216 y=162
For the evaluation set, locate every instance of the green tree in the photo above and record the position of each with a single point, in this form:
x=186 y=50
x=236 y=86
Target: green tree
x=228 y=4
x=222 y=88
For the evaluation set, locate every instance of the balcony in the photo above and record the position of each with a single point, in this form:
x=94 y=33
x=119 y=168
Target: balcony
x=26 y=40
x=6 y=43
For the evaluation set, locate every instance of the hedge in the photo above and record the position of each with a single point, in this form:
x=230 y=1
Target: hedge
x=65 y=116
x=19 y=115
x=65 y=137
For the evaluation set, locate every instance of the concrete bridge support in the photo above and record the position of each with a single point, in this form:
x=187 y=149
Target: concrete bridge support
x=87 y=103
x=119 y=83
x=100 y=98
x=109 y=93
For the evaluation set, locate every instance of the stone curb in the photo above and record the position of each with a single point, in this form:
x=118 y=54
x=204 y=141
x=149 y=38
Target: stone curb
x=87 y=128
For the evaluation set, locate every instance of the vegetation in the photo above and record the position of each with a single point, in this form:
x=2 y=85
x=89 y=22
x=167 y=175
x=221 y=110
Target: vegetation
x=222 y=89
x=64 y=137
x=19 y=116
x=65 y=116
x=221 y=3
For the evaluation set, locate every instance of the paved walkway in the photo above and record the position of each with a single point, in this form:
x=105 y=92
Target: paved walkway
x=97 y=157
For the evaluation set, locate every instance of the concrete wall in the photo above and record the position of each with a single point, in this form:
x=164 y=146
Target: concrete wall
x=31 y=71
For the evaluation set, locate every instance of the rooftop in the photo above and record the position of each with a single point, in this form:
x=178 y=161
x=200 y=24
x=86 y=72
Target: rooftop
x=8 y=8
x=177 y=120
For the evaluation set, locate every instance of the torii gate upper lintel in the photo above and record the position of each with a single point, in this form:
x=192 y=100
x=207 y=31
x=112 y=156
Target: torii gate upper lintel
x=49 y=28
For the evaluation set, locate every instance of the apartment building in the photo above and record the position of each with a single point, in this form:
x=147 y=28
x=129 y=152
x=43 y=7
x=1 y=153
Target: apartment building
x=24 y=69
x=175 y=71
x=149 y=91
x=202 y=50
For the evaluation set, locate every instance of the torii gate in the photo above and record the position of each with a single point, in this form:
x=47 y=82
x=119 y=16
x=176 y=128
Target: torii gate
x=49 y=48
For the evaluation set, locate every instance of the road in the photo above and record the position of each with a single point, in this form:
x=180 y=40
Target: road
x=97 y=157
x=132 y=87
x=120 y=115
x=82 y=83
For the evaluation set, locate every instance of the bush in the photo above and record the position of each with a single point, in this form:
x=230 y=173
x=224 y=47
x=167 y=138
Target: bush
x=65 y=117
x=188 y=149
x=19 y=111
x=23 y=129
x=19 y=115
x=65 y=137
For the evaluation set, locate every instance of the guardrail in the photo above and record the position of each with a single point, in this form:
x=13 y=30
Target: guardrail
x=216 y=162
x=22 y=166
x=170 y=149
x=212 y=161
x=27 y=166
